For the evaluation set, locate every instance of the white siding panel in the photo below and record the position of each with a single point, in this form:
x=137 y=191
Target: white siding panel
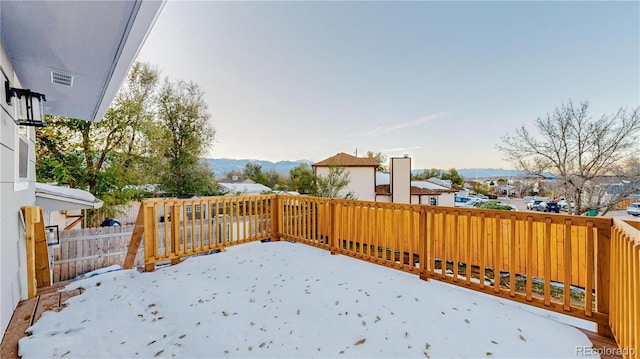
x=13 y=282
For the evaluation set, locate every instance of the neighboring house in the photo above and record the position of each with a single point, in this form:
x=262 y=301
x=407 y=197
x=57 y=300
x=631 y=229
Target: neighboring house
x=418 y=195
x=395 y=186
x=389 y=185
x=446 y=195
x=244 y=189
x=234 y=179
x=77 y=55
x=362 y=174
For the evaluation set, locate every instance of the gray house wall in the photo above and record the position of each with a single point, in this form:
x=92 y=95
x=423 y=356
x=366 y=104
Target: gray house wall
x=14 y=193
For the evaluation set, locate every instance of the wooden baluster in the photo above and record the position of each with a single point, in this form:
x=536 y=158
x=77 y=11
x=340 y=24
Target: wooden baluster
x=512 y=257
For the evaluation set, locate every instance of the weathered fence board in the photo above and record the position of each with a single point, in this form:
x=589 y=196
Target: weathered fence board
x=84 y=250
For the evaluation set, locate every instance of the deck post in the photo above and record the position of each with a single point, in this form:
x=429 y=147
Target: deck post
x=333 y=240
x=150 y=237
x=275 y=217
x=31 y=217
x=603 y=276
x=422 y=245
x=176 y=234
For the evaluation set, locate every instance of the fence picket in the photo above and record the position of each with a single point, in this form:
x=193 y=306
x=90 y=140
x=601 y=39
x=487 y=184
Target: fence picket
x=84 y=250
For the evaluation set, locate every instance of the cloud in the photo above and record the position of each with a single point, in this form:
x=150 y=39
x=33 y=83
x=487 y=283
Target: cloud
x=380 y=130
x=400 y=149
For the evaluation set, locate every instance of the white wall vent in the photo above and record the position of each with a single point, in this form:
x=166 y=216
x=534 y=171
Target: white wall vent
x=61 y=78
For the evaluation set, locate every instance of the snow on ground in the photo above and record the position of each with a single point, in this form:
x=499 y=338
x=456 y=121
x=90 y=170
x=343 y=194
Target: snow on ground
x=284 y=299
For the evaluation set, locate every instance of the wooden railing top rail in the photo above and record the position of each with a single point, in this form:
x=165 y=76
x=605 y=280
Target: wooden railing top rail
x=630 y=229
x=598 y=222
x=206 y=199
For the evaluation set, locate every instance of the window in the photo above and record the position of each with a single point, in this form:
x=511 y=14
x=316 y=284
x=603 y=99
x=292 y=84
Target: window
x=433 y=201
x=22 y=158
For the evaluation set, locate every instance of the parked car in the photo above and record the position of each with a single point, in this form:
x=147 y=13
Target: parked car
x=634 y=209
x=460 y=201
x=109 y=222
x=475 y=202
x=552 y=207
x=528 y=201
x=564 y=204
x=537 y=205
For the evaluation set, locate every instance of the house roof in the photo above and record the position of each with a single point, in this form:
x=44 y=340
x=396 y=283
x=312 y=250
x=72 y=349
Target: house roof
x=417 y=190
x=441 y=182
x=236 y=180
x=57 y=198
x=87 y=47
x=429 y=185
x=385 y=189
x=245 y=187
x=345 y=160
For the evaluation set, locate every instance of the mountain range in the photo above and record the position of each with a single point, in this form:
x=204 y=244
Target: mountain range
x=221 y=166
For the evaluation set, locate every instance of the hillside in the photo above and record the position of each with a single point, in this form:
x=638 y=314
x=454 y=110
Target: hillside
x=221 y=166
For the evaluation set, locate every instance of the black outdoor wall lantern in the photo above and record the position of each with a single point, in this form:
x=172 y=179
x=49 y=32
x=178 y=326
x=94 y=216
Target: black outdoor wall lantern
x=53 y=235
x=30 y=106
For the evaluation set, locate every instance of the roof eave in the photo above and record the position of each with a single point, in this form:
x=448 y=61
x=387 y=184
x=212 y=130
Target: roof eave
x=51 y=202
x=137 y=31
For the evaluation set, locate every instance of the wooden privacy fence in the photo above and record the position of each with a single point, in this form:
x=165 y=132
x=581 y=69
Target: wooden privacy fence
x=84 y=250
x=175 y=228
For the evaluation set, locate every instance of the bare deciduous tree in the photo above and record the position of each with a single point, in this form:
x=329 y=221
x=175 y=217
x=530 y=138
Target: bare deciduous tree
x=585 y=153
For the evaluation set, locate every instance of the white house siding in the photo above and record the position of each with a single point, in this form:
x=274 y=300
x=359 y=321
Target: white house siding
x=447 y=199
x=383 y=198
x=13 y=195
x=362 y=182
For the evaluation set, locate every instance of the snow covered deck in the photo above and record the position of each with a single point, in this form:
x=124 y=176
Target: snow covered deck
x=284 y=299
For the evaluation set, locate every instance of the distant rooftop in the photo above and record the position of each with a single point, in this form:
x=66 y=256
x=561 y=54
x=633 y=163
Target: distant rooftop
x=385 y=189
x=345 y=160
x=245 y=187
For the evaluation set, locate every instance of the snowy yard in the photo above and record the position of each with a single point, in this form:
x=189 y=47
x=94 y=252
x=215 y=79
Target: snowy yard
x=284 y=299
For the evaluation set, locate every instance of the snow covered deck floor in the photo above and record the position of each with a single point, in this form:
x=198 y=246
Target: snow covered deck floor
x=288 y=274
x=29 y=311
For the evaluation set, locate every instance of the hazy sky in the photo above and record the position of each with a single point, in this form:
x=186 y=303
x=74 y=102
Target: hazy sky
x=442 y=81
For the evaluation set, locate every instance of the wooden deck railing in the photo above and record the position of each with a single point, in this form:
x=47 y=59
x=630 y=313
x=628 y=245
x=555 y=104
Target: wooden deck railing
x=176 y=228
x=544 y=260
x=624 y=317
x=580 y=266
x=493 y=251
